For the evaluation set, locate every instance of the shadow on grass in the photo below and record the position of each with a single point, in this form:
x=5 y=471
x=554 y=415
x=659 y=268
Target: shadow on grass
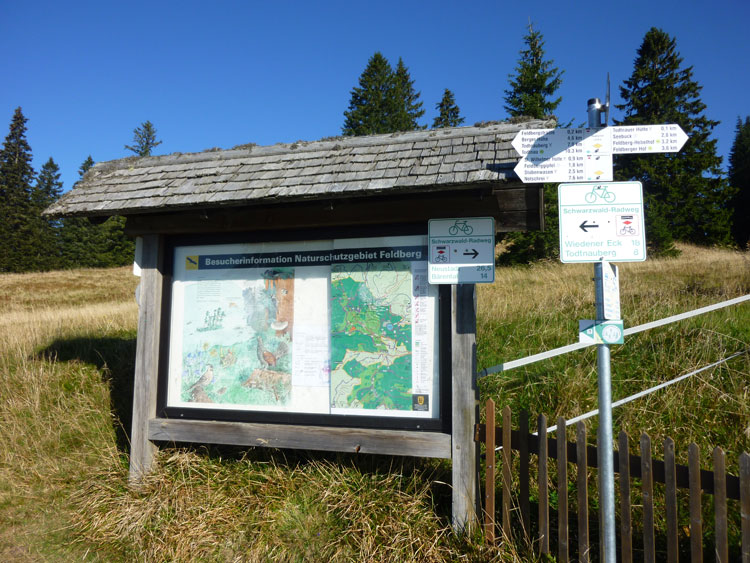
x=114 y=357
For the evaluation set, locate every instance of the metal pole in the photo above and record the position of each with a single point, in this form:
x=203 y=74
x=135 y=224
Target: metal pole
x=605 y=451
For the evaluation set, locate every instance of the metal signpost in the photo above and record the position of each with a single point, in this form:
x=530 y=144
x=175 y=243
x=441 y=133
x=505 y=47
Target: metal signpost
x=600 y=222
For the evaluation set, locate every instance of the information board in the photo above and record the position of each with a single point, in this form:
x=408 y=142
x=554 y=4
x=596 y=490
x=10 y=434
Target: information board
x=462 y=250
x=331 y=327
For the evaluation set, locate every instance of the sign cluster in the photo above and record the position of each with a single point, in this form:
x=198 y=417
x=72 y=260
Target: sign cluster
x=584 y=154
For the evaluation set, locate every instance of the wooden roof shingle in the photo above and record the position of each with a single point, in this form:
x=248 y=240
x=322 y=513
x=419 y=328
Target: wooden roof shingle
x=394 y=163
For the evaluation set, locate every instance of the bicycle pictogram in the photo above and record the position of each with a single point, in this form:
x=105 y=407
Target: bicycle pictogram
x=600 y=191
x=462 y=226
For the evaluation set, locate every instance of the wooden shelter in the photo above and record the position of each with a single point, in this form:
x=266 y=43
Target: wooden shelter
x=345 y=187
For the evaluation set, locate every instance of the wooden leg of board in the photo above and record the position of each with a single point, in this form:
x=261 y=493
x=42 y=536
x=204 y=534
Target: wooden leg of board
x=465 y=408
x=142 y=450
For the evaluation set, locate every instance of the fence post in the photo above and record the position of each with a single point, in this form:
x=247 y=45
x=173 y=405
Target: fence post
x=696 y=518
x=583 y=493
x=507 y=449
x=523 y=452
x=626 y=527
x=720 y=505
x=562 y=491
x=647 y=482
x=543 y=493
x=745 y=505
x=670 y=483
x=491 y=460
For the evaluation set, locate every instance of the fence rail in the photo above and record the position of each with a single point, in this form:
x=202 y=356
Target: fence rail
x=722 y=486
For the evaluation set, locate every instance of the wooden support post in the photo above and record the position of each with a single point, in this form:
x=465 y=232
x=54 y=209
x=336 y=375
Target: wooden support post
x=147 y=357
x=465 y=407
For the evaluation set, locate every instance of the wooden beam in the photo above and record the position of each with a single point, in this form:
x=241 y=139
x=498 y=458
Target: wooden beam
x=147 y=357
x=352 y=440
x=514 y=208
x=465 y=407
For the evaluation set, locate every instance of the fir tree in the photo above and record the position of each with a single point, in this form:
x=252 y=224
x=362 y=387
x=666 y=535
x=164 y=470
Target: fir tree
x=535 y=81
x=532 y=88
x=384 y=102
x=739 y=178
x=17 y=212
x=448 y=113
x=94 y=245
x=372 y=103
x=47 y=190
x=144 y=139
x=686 y=198
x=409 y=106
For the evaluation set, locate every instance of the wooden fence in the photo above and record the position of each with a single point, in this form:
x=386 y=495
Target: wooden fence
x=722 y=486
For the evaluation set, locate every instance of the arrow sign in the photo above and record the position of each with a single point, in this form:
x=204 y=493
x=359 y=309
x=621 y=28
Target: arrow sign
x=584 y=226
x=584 y=154
x=647 y=138
x=473 y=253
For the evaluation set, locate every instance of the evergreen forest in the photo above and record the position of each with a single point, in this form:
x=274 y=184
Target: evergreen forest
x=688 y=195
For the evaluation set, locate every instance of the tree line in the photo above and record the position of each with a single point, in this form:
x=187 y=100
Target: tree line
x=686 y=195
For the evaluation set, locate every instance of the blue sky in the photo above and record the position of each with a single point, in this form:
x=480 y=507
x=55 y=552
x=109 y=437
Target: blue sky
x=220 y=74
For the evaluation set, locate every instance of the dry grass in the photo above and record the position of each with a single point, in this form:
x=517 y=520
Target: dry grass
x=66 y=345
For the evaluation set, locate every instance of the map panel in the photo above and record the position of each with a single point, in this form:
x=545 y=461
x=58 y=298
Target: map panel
x=371 y=336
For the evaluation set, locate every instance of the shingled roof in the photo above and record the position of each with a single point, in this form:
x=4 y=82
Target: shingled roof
x=350 y=166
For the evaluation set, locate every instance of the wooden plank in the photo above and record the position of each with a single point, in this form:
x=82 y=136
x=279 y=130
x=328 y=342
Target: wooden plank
x=543 y=492
x=562 y=492
x=146 y=374
x=323 y=438
x=464 y=405
x=670 y=500
x=583 y=493
x=626 y=526
x=745 y=505
x=647 y=487
x=696 y=518
x=489 y=486
x=720 y=506
x=523 y=453
x=507 y=478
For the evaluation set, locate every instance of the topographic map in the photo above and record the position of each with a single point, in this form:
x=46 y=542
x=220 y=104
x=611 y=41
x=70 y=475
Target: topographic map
x=237 y=340
x=371 y=336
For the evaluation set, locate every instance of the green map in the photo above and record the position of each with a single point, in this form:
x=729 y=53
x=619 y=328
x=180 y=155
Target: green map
x=371 y=335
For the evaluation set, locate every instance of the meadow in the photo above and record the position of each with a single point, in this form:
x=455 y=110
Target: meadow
x=67 y=346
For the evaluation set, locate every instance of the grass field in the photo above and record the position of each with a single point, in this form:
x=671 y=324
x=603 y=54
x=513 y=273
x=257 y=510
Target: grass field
x=67 y=344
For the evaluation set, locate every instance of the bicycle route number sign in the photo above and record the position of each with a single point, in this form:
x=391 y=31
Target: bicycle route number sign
x=601 y=220
x=462 y=250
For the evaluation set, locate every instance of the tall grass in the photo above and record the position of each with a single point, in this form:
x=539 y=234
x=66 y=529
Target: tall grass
x=67 y=341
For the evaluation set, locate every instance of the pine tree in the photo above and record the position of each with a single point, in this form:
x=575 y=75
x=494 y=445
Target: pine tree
x=144 y=139
x=739 y=179
x=87 y=164
x=409 y=106
x=47 y=190
x=449 y=115
x=686 y=198
x=17 y=212
x=384 y=102
x=535 y=81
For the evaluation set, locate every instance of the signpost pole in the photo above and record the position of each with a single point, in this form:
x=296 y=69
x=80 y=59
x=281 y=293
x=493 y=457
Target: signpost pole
x=604 y=376
x=605 y=452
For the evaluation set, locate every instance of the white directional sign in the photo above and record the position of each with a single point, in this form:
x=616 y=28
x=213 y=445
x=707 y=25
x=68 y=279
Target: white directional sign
x=601 y=220
x=461 y=250
x=584 y=154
